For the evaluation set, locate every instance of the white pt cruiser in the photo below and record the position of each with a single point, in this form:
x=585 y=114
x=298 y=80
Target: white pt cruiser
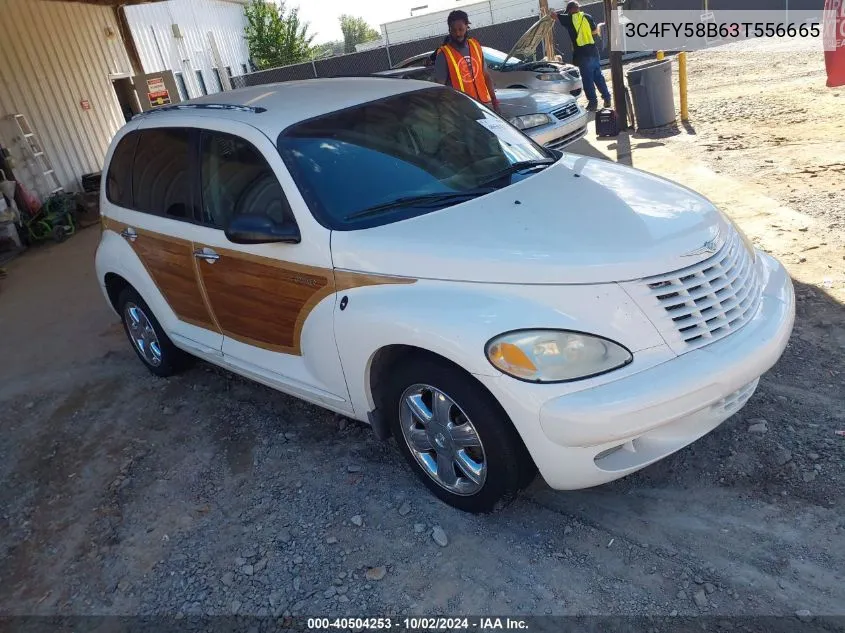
x=397 y=253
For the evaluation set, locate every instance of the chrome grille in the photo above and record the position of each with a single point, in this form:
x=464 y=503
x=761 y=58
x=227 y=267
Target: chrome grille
x=704 y=302
x=566 y=111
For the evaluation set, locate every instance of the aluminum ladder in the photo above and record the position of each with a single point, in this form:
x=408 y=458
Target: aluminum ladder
x=32 y=144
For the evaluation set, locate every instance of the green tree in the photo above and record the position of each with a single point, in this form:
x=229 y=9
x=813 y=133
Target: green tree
x=275 y=36
x=329 y=49
x=356 y=31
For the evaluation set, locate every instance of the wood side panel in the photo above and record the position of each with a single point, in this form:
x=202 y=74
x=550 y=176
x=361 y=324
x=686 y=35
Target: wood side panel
x=347 y=280
x=262 y=301
x=170 y=263
x=256 y=300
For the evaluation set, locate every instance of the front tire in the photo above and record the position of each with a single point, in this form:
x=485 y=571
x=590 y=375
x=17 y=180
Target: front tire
x=455 y=436
x=145 y=334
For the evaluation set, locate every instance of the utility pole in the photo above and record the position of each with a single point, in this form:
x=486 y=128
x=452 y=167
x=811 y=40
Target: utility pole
x=549 y=43
x=616 y=75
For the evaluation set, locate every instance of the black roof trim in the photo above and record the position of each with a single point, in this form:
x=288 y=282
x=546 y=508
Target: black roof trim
x=206 y=106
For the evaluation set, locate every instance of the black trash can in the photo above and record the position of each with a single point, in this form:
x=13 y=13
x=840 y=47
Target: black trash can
x=651 y=90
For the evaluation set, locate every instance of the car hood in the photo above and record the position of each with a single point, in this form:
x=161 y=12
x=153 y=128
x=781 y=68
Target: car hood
x=516 y=102
x=582 y=220
x=526 y=46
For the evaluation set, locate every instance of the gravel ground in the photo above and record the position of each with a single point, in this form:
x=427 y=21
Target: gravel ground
x=760 y=112
x=207 y=494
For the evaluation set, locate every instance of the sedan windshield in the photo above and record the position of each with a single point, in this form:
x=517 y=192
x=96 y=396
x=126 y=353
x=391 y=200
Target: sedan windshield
x=403 y=156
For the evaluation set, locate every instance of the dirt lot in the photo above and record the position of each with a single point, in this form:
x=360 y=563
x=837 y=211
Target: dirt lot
x=206 y=494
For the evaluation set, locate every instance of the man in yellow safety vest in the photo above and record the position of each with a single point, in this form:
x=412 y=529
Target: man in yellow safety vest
x=582 y=30
x=460 y=63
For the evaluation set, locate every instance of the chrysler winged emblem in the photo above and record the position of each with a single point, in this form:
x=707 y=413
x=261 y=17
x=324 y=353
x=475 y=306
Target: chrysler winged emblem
x=708 y=248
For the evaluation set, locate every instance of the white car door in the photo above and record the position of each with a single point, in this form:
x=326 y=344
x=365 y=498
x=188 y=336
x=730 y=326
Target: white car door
x=273 y=302
x=151 y=203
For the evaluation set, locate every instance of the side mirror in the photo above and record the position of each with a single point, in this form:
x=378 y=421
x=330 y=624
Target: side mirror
x=260 y=229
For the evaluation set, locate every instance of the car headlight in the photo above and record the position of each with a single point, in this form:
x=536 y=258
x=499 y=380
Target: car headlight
x=550 y=77
x=554 y=355
x=528 y=121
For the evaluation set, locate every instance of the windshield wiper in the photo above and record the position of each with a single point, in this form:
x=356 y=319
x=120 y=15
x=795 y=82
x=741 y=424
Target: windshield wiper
x=515 y=168
x=421 y=201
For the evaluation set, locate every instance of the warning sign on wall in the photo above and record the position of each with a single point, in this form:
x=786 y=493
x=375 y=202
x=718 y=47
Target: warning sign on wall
x=159 y=98
x=157 y=92
x=156 y=84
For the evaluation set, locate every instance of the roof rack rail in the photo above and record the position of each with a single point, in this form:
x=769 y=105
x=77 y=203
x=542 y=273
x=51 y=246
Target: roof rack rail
x=206 y=106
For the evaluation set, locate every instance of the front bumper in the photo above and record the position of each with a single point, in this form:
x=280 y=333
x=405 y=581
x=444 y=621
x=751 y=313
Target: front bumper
x=596 y=435
x=560 y=134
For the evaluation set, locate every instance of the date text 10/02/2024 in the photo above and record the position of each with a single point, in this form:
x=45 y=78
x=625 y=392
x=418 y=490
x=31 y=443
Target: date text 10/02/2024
x=418 y=624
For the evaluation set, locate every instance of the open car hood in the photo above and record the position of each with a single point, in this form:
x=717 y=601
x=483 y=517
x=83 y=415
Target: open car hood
x=526 y=46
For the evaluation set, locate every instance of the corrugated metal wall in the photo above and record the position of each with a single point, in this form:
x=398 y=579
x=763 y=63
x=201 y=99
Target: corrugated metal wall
x=52 y=56
x=159 y=49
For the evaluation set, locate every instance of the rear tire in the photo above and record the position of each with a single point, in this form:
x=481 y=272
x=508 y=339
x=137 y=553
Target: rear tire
x=145 y=334
x=455 y=435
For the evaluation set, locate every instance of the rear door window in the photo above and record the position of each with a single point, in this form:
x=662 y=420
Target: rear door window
x=161 y=175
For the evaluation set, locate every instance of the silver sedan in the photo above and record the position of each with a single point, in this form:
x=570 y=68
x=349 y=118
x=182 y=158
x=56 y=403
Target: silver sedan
x=518 y=68
x=553 y=120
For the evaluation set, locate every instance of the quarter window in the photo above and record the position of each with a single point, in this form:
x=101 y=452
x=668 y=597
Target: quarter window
x=237 y=180
x=161 y=181
x=119 y=177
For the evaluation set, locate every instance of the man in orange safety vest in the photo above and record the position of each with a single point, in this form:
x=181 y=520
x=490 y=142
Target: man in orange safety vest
x=460 y=63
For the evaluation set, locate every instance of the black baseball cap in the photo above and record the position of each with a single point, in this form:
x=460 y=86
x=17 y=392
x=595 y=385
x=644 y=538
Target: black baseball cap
x=572 y=5
x=457 y=15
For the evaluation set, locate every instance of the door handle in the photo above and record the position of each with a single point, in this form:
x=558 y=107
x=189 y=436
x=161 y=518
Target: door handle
x=129 y=234
x=206 y=254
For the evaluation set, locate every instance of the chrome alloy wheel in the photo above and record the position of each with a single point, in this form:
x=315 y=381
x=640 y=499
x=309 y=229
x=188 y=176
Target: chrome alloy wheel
x=143 y=334
x=442 y=439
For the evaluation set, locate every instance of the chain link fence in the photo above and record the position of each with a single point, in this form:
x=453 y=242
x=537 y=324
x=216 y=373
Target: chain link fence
x=501 y=36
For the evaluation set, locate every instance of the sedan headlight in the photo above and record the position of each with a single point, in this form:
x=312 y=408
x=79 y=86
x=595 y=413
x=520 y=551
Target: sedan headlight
x=550 y=77
x=555 y=355
x=528 y=121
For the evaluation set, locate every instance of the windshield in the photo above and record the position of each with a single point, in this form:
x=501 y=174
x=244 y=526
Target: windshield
x=496 y=58
x=405 y=155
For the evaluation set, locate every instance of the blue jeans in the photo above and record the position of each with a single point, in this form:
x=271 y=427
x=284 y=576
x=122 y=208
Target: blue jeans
x=591 y=77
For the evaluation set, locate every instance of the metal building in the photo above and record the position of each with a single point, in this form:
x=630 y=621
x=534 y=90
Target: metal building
x=67 y=68
x=201 y=41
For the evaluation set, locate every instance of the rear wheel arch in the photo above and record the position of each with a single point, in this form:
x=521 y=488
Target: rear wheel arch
x=115 y=285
